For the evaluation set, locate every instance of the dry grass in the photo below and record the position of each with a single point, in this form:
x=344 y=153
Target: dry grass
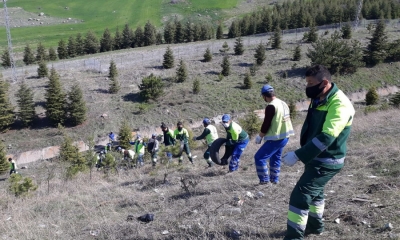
x=78 y=208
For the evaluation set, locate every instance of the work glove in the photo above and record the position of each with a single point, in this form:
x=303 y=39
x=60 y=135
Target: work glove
x=194 y=138
x=258 y=139
x=290 y=159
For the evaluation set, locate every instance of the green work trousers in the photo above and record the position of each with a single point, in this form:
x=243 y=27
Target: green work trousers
x=306 y=205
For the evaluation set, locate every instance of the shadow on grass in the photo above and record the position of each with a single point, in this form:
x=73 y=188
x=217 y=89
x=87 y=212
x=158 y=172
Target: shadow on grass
x=3 y=179
x=212 y=73
x=245 y=64
x=156 y=67
x=185 y=195
x=296 y=72
x=132 y=97
x=100 y=90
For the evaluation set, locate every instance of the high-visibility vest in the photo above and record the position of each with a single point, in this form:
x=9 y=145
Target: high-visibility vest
x=213 y=135
x=281 y=125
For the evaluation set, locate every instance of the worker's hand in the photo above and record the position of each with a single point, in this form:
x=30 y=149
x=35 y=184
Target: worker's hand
x=290 y=159
x=258 y=139
x=194 y=138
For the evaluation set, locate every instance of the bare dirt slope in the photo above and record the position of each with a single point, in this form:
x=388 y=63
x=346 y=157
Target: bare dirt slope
x=364 y=196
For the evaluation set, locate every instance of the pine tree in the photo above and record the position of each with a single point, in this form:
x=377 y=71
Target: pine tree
x=207 y=55
x=168 y=59
x=124 y=135
x=159 y=39
x=55 y=99
x=346 y=31
x=26 y=105
x=29 y=58
x=6 y=109
x=106 y=42
x=297 y=53
x=220 y=33
x=52 y=54
x=395 y=100
x=149 y=35
x=312 y=35
x=376 y=51
x=127 y=37
x=92 y=44
x=277 y=39
x=260 y=54
x=41 y=53
x=71 y=47
x=112 y=75
x=62 y=50
x=69 y=153
x=234 y=30
x=42 y=70
x=5 y=59
x=151 y=87
x=169 y=33
x=394 y=51
x=181 y=72
x=76 y=106
x=196 y=86
x=196 y=32
x=226 y=66
x=337 y=55
x=117 y=40
x=179 y=32
x=138 y=37
x=225 y=48
x=247 y=83
x=188 y=31
x=372 y=97
x=239 y=49
x=79 y=45
x=4 y=164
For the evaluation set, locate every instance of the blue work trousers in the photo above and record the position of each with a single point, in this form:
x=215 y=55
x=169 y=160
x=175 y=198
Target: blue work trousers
x=237 y=152
x=271 y=150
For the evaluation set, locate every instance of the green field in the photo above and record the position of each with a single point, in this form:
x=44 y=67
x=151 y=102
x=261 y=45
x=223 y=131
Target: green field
x=98 y=15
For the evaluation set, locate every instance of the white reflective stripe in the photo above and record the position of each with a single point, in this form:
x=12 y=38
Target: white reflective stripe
x=298 y=211
x=330 y=161
x=280 y=136
x=296 y=226
x=319 y=144
x=318 y=203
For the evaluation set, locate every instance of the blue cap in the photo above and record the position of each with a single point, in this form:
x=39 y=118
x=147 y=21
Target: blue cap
x=206 y=121
x=226 y=117
x=154 y=135
x=266 y=88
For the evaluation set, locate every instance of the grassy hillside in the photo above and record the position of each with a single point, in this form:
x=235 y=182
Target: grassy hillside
x=98 y=15
x=363 y=196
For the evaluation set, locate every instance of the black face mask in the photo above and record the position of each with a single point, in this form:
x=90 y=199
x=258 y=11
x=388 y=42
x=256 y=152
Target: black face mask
x=179 y=128
x=314 y=91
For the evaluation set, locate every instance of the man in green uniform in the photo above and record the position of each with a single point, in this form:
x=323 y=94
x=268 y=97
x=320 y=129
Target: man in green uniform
x=182 y=135
x=323 y=149
x=210 y=134
x=169 y=139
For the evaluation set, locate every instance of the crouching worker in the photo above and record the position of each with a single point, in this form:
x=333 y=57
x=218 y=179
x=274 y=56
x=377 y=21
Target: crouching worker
x=152 y=147
x=237 y=138
x=128 y=155
x=100 y=159
x=139 y=150
x=13 y=166
x=210 y=134
x=182 y=135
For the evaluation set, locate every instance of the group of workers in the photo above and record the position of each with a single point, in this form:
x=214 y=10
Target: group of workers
x=323 y=140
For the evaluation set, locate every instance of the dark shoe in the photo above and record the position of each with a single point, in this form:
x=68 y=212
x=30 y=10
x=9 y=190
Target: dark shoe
x=311 y=232
x=275 y=182
x=263 y=183
x=210 y=164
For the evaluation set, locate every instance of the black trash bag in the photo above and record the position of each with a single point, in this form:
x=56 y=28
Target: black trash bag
x=148 y=217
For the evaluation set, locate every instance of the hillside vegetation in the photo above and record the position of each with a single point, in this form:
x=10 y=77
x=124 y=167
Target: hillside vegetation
x=363 y=196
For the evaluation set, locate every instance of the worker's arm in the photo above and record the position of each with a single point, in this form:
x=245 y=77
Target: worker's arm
x=204 y=134
x=338 y=117
x=269 y=115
